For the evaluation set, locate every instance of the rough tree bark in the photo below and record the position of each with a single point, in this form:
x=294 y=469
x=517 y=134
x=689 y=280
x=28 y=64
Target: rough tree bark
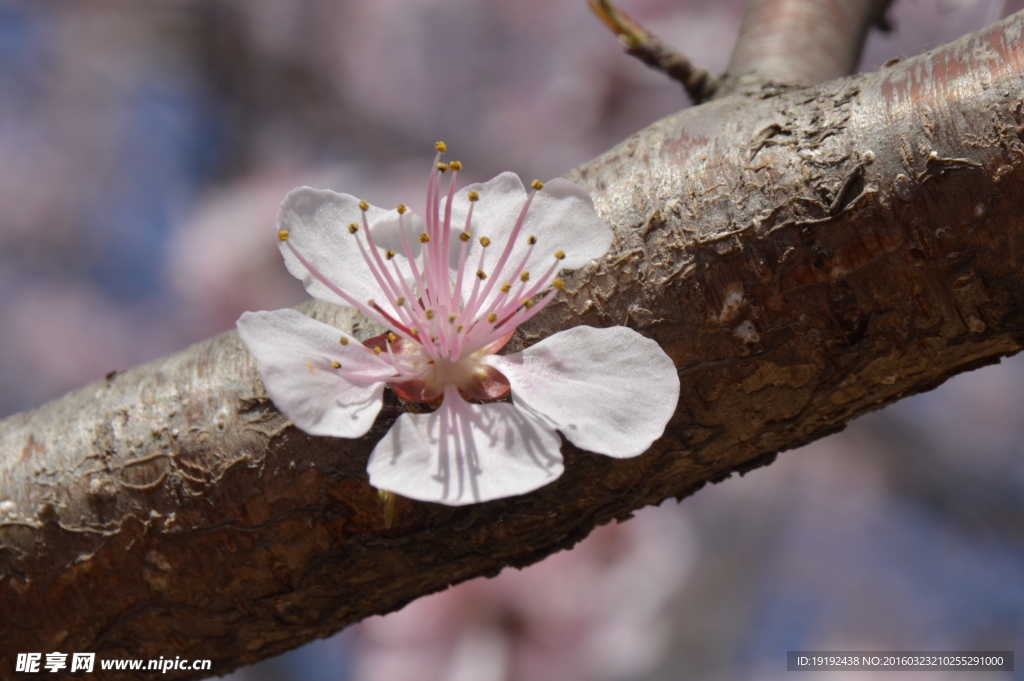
x=804 y=254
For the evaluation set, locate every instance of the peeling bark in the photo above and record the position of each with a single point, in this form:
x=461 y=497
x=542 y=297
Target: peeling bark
x=804 y=255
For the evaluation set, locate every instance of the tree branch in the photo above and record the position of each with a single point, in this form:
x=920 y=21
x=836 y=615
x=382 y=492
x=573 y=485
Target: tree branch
x=800 y=42
x=650 y=49
x=804 y=256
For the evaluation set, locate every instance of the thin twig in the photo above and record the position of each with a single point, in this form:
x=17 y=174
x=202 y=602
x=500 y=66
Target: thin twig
x=649 y=49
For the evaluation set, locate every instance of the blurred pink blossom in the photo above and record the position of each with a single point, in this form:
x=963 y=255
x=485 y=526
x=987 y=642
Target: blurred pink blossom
x=600 y=612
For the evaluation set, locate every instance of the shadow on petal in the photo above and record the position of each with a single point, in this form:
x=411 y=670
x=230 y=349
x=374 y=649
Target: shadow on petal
x=466 y=453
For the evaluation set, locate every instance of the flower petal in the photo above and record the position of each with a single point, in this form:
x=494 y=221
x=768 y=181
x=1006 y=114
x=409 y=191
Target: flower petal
x=564 y=213
x=466 y=453
x=561 y=217
x=387 y=231
x=317 y=222
x=610 y=391
x=295 y=353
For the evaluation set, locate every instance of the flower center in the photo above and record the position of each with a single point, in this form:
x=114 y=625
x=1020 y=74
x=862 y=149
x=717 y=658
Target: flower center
x=454 y=372
x=475 y=380
x=432 y=310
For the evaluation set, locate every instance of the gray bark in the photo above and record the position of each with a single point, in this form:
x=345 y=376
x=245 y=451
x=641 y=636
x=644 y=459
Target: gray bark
x=793 y=42
x=804 y=254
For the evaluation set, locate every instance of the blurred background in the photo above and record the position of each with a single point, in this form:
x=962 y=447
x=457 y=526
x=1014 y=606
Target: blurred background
x=145 y=148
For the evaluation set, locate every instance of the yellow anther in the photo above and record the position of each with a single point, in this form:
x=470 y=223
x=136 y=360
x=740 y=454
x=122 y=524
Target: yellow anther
x=531 y=240
x=282 y=235
x=459 y=328
x=558 y=283
x=376 y=351
x=353 y=228
x=560 y=255
x=455 y=165
x=465 y=236
x=505 y=287
x=364 y=206
x=414 y=331
x=452 y=318
x=388 y=255
x=443 y=167
x=473 y=196
x=424 y=238
x=392 y=338
x=537 y=184
x=336 y=365
x=400 y=302
x=492 y=318
x=481 y=274
x=402 y=208
x=485 y=242
x=527 y=303
x=343 y=340
x=429 y=314
x=441 y=146
x=525 y=276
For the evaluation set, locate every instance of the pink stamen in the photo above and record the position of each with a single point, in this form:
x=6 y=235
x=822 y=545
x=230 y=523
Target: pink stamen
x=434 y=233
x=441 y=335
x=365 y=309
x=432 y=332
x=463 y=252
x=545 y=279
x=460 y=270
x=536 y=288
x=393 y=287
x=410 y=299
x=511 y=322
x=510 y=244
x=417 y=317
x=397 y=324
x=481 y=318
x=431 y=185
x=522 y=263
x=409 y=318
x=469 y=312
x=420 y=286
x=499 y=304
x=400 y=278
x=446 y=235
x=382 y=276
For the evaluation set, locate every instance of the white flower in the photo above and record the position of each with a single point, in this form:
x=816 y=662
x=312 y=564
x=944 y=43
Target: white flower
x=452 y=287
